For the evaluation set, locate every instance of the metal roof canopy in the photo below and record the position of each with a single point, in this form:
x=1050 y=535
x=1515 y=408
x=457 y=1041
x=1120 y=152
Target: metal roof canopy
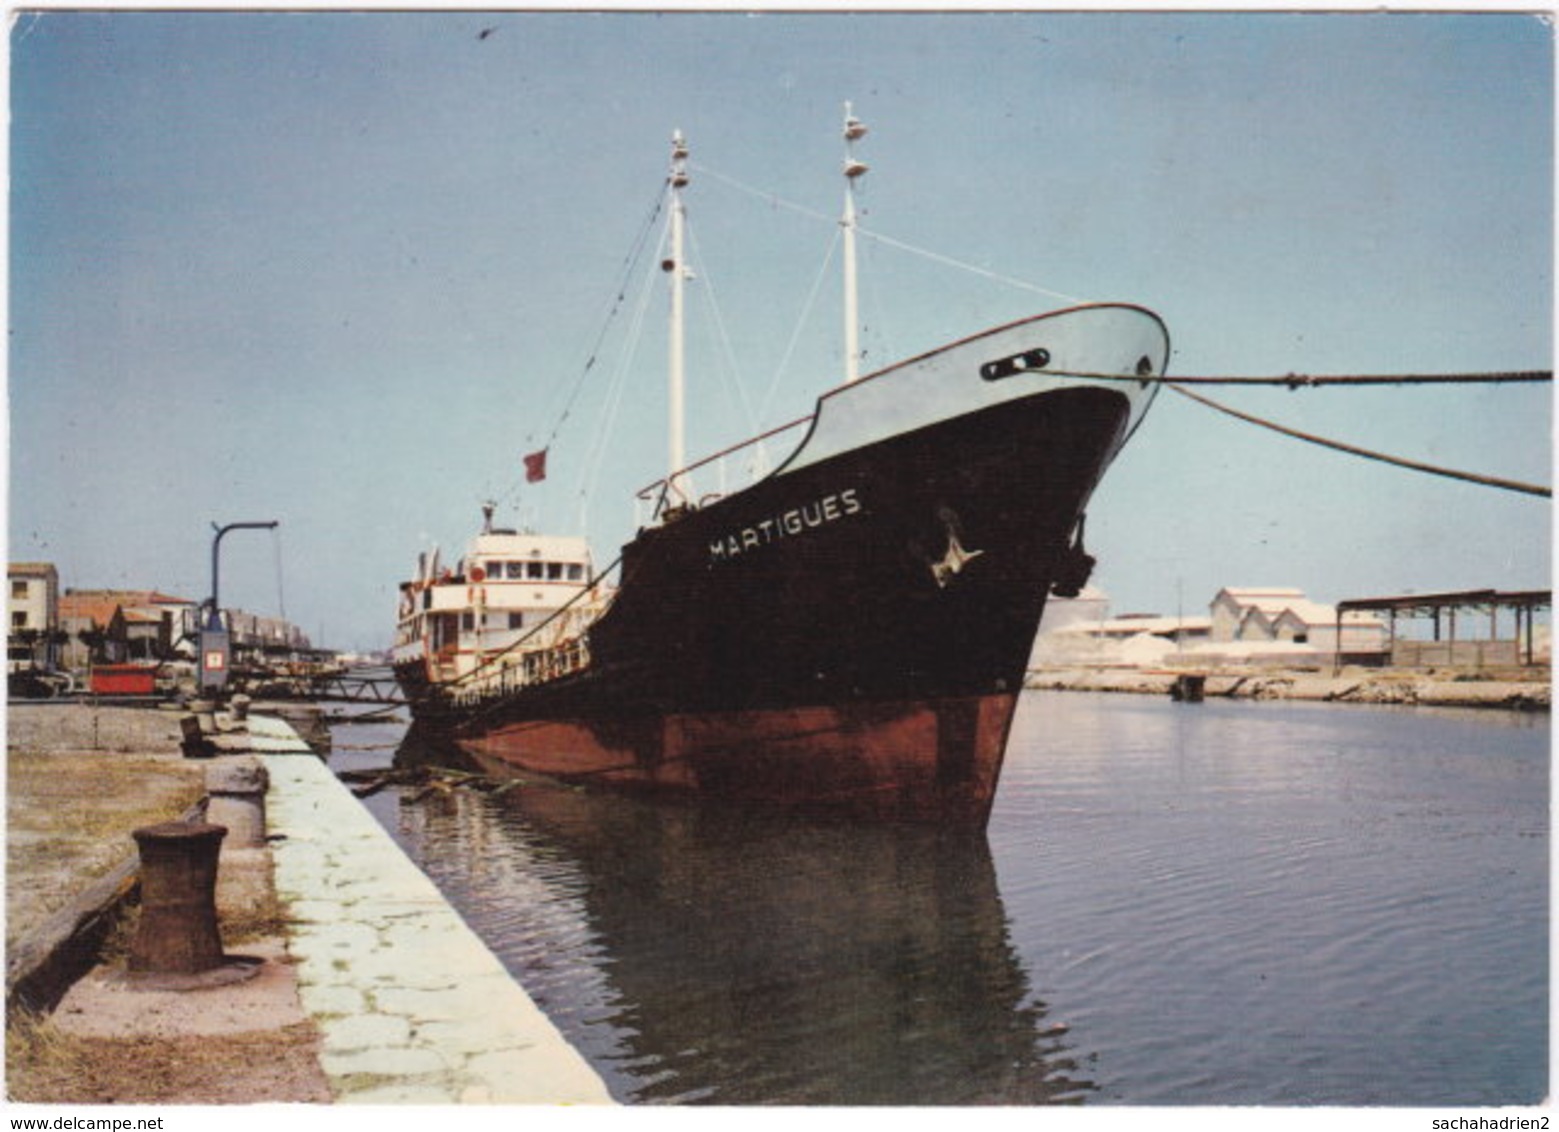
x=1429 y=604
x=1526 y=602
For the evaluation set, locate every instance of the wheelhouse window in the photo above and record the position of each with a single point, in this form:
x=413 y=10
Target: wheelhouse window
x=576 y=572
x=554 y=571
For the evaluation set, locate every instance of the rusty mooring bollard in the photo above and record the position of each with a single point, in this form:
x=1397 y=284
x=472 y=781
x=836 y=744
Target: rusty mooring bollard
x=205 y=714
x=237 y=791
x=178 y=933
x=194 y=744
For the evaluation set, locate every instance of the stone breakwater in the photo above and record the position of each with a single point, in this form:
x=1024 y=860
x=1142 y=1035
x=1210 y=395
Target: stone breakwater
x=1359 y=686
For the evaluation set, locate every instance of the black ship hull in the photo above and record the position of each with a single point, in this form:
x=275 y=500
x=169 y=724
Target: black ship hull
x=849 y=634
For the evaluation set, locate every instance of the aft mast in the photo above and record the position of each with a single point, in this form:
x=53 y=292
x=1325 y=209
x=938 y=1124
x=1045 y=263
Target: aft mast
x=678 y=180
x=854 y=130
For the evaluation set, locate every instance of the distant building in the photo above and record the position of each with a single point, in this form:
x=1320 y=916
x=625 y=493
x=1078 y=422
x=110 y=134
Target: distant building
x=123 y=625
x=1311 y=623
x=1080 y=630
x=1176 y=630
x=270 y=635
x=1258 y=616
x=1232 y=609
x=114 y=626
x=32 y=638
x=1091 y=605
x=1245 y=625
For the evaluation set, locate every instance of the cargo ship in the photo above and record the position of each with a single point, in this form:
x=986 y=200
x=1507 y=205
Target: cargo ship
x=846 y=635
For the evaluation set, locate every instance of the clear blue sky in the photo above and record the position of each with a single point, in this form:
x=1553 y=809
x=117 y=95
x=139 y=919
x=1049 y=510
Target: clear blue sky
x=342 y=270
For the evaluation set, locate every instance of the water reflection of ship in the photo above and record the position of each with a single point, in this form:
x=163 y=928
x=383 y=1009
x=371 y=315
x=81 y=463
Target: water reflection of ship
x=754 y=959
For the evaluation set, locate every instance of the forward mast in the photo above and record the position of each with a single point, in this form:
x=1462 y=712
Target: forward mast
x=676 y=268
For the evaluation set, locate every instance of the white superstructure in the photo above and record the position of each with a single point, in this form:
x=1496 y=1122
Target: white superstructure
x=513 y=599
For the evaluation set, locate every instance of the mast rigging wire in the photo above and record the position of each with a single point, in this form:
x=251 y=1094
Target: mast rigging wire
x=984 y=272
x=629 y=262
x=619 y=296
x=935 y=257
x=722 y=333
x=1292 y=380
x=795 y=335
x=1178 y=384
x=595 y=456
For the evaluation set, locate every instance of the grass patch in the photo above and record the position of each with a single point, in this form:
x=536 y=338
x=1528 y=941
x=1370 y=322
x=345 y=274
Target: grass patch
x=45 y=1066
x=38 y=1058
x=265 y=918
x=69 y=817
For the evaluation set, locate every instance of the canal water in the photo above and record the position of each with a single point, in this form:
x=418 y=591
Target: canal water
x=1228 y=903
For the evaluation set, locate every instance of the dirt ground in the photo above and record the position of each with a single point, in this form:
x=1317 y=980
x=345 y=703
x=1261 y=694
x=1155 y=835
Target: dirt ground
x=80 y=779
x=110 y=1043
x=248 y=1068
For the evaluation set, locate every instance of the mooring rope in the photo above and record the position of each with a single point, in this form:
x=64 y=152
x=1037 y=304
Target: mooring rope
x=1450 y=473
x=1314 y=381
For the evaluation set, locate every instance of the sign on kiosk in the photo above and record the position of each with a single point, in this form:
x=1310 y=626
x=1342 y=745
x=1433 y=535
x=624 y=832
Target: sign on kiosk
x=214 y=654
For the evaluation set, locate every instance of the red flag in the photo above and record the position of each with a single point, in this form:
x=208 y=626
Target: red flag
x=536 y=466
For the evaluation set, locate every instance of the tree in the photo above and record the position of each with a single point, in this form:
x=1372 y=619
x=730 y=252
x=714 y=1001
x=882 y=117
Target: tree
x=25 y=640
x=95 y=639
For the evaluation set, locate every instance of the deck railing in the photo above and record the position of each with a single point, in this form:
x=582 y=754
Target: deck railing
x=677 y=492
x=526 y=669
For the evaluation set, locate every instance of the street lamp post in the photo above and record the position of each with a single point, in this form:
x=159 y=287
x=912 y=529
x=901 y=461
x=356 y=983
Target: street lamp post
x=215 y=646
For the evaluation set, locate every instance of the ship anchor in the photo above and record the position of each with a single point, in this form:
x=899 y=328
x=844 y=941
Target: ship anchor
x=954 y=560
x=1073 y=567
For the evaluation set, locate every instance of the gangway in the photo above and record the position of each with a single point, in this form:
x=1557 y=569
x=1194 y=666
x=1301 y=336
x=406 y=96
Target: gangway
x=358 y=686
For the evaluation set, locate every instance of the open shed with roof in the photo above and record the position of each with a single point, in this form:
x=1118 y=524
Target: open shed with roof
x=1462 y=628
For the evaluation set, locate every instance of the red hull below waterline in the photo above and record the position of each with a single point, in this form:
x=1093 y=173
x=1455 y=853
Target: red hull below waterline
x=935 y=761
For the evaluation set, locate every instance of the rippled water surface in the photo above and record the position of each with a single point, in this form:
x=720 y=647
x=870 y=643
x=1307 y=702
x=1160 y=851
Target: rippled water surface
x=1214 y=904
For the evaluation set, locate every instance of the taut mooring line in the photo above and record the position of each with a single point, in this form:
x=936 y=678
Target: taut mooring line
x=1431 y=469
x=1315 y=381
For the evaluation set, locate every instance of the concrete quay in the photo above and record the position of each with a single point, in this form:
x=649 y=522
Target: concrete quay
x=1527 y=690
x=411 y=1006
x=370 y=989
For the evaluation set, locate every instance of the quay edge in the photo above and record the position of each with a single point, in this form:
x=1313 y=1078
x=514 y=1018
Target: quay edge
x=411 y=1006
x=1521 y=692
x=407 y=1004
